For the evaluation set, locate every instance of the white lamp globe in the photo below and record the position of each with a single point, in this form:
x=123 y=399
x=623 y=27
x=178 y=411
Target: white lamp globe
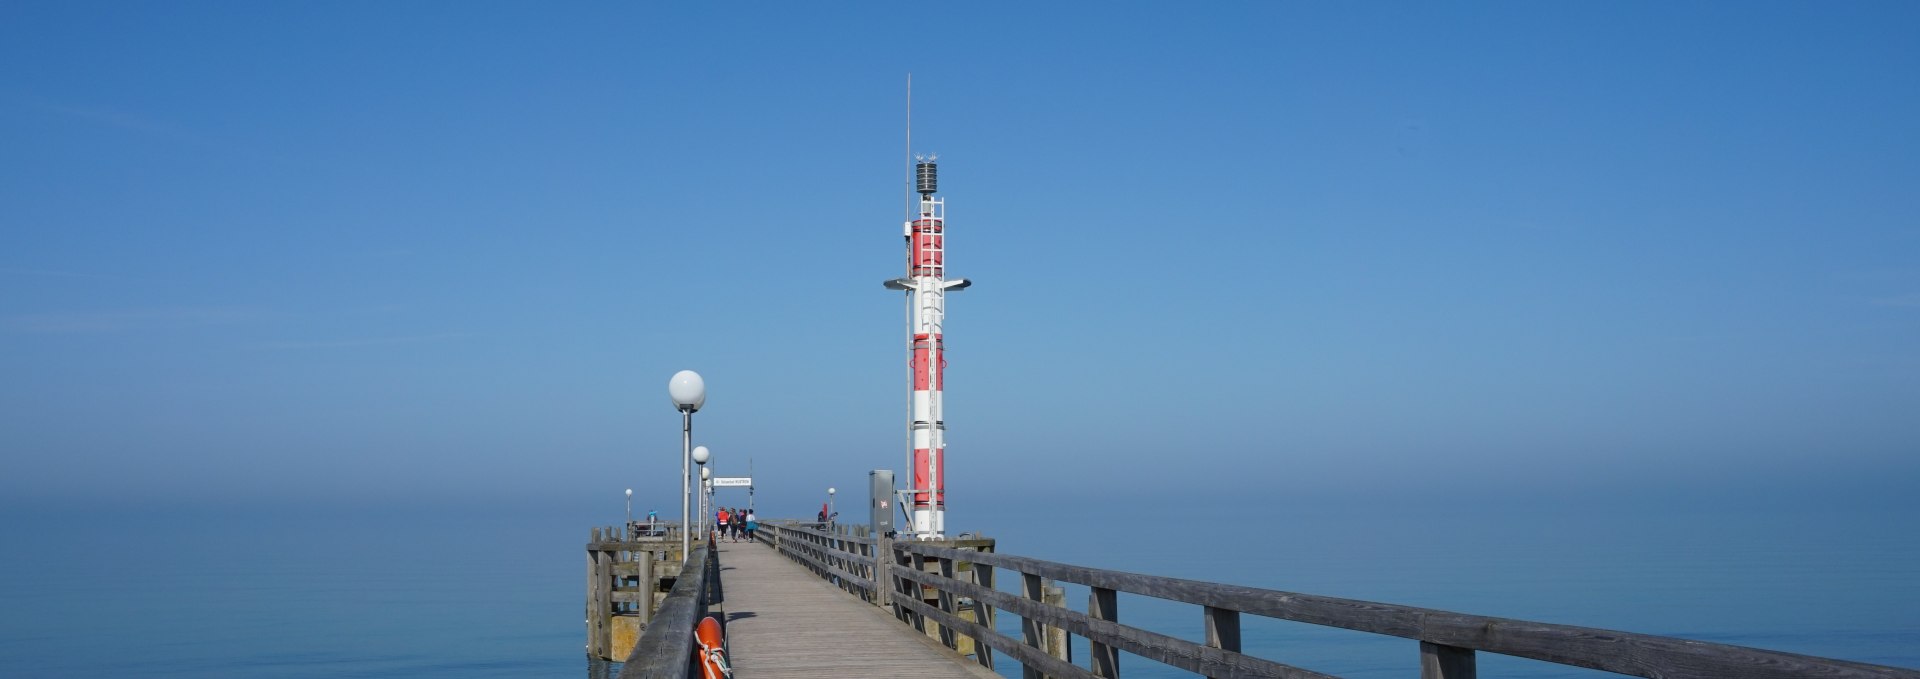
x=705 y=474
x=629 y=492
x=701 y=455
x=829 y=491
x=688 y=391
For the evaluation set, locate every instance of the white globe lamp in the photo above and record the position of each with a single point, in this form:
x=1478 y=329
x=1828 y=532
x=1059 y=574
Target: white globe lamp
x=687 y=390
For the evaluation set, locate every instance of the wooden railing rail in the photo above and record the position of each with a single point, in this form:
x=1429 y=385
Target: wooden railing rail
x=666 y=648
x=845 y=559
x=1447 y=640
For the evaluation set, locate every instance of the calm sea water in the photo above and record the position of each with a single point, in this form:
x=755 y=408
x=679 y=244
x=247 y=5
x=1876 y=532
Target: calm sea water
x=423 y=594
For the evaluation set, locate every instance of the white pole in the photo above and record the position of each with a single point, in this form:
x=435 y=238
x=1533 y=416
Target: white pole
x=686 y=482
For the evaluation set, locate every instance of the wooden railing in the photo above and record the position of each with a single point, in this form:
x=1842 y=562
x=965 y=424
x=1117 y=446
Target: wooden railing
x=845 y=559
x=666 y=649
x=1448 y=641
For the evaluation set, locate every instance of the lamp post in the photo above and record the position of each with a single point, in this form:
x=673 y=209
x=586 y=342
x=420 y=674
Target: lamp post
x=688 y=392
x=700 y=457
x=830 y=491
x=629 y=508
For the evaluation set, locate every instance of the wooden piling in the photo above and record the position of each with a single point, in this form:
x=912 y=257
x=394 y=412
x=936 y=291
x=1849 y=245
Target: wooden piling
x=624 y=586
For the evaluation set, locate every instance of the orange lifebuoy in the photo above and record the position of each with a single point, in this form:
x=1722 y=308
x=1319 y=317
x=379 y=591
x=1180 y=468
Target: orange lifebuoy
x=713 y=651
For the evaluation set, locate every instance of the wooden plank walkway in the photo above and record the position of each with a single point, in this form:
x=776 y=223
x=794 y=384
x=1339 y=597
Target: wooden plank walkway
x=783 y=621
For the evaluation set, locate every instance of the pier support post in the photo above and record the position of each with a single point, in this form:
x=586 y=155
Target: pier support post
x=600 y=596
x=645 y=561
x=593 y=574
x=1445 y=662
x=1055 y=595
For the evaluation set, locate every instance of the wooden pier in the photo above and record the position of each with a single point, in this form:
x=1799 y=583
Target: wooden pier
x=809 y=602
x=784 y=621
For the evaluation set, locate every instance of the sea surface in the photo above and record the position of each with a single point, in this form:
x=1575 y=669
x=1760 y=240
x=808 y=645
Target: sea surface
x=218 y=592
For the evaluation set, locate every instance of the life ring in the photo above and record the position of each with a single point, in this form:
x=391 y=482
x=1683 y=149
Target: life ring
x=713 y=651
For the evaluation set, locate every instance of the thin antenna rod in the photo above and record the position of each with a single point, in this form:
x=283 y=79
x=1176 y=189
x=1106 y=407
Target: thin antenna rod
x=909 y=156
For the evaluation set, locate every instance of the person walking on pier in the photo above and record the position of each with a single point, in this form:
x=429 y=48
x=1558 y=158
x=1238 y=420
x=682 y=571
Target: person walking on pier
x=753 y=524
x=723 y=522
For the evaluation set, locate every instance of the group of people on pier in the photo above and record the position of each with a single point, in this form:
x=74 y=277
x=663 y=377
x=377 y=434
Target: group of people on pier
x=734 y=524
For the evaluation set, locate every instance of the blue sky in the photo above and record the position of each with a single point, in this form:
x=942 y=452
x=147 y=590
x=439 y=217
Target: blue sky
x=373 y=253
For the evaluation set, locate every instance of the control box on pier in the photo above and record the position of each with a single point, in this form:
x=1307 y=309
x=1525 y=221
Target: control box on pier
x=881 y=502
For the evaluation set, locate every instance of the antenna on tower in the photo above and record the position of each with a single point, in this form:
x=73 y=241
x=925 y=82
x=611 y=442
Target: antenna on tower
x=909 y=155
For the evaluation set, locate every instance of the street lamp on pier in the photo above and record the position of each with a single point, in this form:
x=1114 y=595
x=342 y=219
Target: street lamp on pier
x=689 y=393
x=700 y=457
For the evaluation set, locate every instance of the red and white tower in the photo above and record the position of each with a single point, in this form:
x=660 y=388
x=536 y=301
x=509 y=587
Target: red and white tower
x=926 y=285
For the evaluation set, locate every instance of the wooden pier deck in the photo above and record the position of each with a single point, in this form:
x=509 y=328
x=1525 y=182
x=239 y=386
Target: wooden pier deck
x=784 y=621
x=803 y=604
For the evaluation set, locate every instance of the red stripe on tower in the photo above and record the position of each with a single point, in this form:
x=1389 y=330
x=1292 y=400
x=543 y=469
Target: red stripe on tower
x=929 y=362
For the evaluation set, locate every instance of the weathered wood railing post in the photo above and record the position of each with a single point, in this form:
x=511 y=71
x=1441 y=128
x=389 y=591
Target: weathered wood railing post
x=864 y=566
x=947 y=635
x=983 y=614
x=904 y=589
x=883 y=571
x=913 y=590
x=1445 y=662
x=823 y=548
x=1223 y=628
x=1102 y=604
x=836 y=546
x=1031 y=631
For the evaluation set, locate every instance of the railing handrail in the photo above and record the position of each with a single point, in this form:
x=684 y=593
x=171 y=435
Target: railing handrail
x=1627 y=653
x=812 y=528
x=665 y=649
x=1448 y=640
x=822 y=551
